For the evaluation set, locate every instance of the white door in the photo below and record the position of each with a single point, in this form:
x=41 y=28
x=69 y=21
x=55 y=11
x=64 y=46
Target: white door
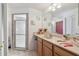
x=20 y=31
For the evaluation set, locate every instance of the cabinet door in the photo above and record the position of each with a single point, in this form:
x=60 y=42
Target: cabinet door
x=47 y=44
x=62 y=52
x=47 y=51
x=39 y=49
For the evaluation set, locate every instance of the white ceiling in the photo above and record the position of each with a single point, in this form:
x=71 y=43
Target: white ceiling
x=40 y=6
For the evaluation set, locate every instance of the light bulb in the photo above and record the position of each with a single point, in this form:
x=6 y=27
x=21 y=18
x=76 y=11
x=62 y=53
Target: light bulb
x=54 y=4
x=53 y=9
x=50 y=8
x=59 y=6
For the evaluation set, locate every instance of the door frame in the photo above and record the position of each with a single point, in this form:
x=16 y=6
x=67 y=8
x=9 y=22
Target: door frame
x=26 y=34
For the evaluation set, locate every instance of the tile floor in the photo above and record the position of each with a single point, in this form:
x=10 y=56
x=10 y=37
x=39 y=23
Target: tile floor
x=12 y=52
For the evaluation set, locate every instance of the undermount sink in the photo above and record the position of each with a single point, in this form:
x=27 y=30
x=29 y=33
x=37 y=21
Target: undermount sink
x=64 y=43
x=61 y=41
x=48 y=36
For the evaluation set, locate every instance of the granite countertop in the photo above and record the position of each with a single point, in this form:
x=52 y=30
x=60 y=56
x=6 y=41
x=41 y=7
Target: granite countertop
x=53 y=40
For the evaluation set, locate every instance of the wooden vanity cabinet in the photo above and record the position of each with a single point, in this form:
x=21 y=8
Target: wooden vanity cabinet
x=61 y=52
x=44 y=48
x=39 y=47
x=46 y=51
x=47 y=48
x=55 y=54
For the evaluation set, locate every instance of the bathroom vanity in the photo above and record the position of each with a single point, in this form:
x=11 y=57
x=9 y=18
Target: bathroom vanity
x=51 y=46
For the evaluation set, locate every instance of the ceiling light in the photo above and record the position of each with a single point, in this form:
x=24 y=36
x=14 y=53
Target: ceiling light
x=53 y=9
x=54 y=4
x=59 y=6
x=50 y=8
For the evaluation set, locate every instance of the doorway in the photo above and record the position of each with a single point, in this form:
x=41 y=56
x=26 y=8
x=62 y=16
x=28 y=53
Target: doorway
x=19 y=32
x=19 y=45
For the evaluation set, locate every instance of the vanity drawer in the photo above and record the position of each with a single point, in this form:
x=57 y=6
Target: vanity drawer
x=47 y=51
x=47 y=44
x=39 y=40
x=61 y=51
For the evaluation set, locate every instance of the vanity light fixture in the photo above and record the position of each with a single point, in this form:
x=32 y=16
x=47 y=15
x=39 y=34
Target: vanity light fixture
x=53 y=9
x=54 y=6
x=50 y=7
x=59 y=6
